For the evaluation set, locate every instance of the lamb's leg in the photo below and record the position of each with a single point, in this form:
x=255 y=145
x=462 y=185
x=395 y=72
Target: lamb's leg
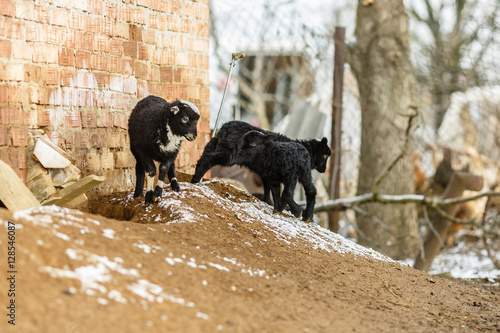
x=205 y=162
x=173 y=181
x=139 y=176
x=150 y=168
x=267 y=193
x=164 y=166
x=275 y=189
x=288 y=198
x=310 y=190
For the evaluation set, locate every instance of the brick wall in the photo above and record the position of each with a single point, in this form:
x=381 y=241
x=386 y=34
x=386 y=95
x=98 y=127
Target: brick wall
x=76 y=68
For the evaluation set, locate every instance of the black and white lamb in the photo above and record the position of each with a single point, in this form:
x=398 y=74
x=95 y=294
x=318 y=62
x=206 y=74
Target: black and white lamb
x=156 y=130
x=280 y=163
x=223 y=148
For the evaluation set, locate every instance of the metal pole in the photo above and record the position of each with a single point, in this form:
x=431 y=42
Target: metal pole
x=234 y=57
x=338 y=86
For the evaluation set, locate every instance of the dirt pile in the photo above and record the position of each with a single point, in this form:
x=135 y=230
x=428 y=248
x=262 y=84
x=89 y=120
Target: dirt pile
x=212 y=258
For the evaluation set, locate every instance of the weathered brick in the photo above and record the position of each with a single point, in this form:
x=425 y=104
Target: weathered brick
x=82 y=5
x=97 y=140
x=21 y=50
x=130 y=49
x=115 y=139
x=193 y=92
x=130 y=85
x=107 y=27
x=120 y=120
x=7 y=8
x=104 y=118
x=93 y=25
x=82 y=140
x=116 y=47
x=76 y=22
x=166 y=74
x=4 y=94
x=108 y=160
x=15 y=30
x=60 y=17
x=141 y=70
x=95 y=7
x=23 y=9
x=154 y=21
x=116 y=83
x=83 y=59
x=124 y=159
x=126 y=14
x=139 y=16
x=112 y=10
x=93 y=161
x=14 y=72
x=114 y=64
x=121 y=30
x=66 y=57
x=143 y=51
x=73 y=119
x=43 y=117
x=19 y=136
x=29 y=117
x=101 y=43
x=4 y=138
x=50 y=75
x=5 y=48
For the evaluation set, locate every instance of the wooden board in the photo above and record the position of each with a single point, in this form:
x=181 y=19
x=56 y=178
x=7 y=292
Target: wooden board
x=13 y=193
x=66 y=195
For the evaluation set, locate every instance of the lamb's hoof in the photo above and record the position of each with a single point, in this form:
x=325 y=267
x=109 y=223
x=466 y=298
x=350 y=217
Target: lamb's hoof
x=158 y=191
x=296 y=212
x=149 y=197
x=175 y=186
x=307 y=219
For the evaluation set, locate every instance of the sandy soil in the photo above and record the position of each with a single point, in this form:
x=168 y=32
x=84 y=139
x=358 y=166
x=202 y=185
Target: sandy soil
x=212 y=258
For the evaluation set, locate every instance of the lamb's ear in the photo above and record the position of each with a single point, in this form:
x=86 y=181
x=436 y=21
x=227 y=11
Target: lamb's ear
x=174 y=109
x=324 y=140
x=252 y=138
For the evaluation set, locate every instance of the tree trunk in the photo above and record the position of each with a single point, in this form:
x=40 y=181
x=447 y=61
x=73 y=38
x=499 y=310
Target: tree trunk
x=380 y=60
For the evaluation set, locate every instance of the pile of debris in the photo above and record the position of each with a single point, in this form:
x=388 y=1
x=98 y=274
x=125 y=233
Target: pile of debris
x=53 y=178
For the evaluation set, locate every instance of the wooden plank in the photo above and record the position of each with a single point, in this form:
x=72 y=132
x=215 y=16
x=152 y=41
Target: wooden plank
x=13 y=193
x=64 y=196
x=77 y=201
x=45 y=139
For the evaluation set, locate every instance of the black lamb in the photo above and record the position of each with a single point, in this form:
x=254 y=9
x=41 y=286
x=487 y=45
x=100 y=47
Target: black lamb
x=222 y=150
x=156 y=130
x=280 y=163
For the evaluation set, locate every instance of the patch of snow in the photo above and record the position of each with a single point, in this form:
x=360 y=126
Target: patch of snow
x=102 y=301
x=222 y=268
x=109 y=233
x=465 y=264
x=202 y=316
x=154 y=293
x=117 y=296
x=72 y=254
x=62 y=236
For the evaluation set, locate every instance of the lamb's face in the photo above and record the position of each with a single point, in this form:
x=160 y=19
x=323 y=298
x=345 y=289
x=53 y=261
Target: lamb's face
x=184 y=119
x=251 y=145
x=321 y=154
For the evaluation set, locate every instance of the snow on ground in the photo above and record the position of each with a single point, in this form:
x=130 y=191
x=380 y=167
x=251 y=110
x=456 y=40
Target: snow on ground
x=463 y=263
x=95 y=272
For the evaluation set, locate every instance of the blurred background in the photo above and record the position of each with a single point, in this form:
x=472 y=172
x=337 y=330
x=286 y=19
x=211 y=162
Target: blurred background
x=286 y=82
